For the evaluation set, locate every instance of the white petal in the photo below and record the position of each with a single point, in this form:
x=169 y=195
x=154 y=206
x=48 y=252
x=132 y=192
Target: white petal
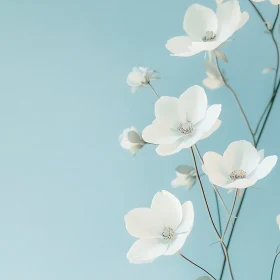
x=261 y=154
x=240 y=184
x=278 y=219
x=268 y=70
x=176 y=244
x=241 y=155
x=215 y=168
x=143 y=222
x=264 y=168
x=210 y=118
x=229 y=18
x=178 y=182
x=168 y=208
x=184 y=169
x=179 y=45
x=166 y=111
x=212 y=130
x=146 y=250
x=170 y=149
x=186 y=224
x=220 y=55
x=211 y=69
x=275 y=2
x=192 y=104
x=135 y=78
x=212 y=83
x=158 y=133
x=198 y=20
x=244 y=18
x=258 y=0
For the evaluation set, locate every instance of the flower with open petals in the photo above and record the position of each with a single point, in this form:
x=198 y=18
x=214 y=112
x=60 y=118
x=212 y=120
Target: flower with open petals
x=181 y=122
x=131 y=140
x=240 y=167
x=161 y=229
x=186 y=176
x=140 y=77
x=206 y=29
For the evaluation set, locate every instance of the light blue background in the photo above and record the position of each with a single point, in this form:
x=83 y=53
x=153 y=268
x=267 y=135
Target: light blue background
x=66 y=183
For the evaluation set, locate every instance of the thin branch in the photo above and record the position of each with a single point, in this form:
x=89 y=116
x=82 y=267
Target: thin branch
x=153 y=90
x=272 y=270
x=209 y=214
x=180 y=253
x=230 y=215
x=237 y=101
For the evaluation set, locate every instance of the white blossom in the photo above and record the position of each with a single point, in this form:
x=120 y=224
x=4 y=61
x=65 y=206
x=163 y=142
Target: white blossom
x=185 y=176
x=181 y=122
x=207 y=30
x=131 y=140
x=161 y=229
x=273 y=2
x=140 y=77
x=241 y=166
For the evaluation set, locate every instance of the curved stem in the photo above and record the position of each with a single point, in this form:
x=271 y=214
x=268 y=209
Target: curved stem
x=153 y=90
x=262 y=116
x=180 y=253
x=230 y=215
x=272 y=270
x=237 y=101
x=210 y=216
x=269 y=108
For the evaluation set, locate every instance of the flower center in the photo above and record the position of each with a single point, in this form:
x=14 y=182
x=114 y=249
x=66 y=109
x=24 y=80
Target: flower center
x=168 y=233
x=238 y=174
x=186 y=128
x=209 y=36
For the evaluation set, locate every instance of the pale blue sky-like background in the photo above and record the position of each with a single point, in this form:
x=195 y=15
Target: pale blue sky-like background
x=66 y=184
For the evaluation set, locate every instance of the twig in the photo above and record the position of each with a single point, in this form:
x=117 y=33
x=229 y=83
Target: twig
x=180 y=253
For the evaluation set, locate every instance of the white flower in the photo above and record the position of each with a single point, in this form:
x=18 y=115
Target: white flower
x=241 y=166
x=161 y=229
x=214 y=79
x=140 y=77
x=180 y=123
x=131 y=140
x=186 y=176
x=278 y=220
x=206 y=29
x=273 y=2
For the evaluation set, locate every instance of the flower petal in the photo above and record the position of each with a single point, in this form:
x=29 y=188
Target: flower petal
x=244 y=18
x=264 y=168
x=186 y=224
x=241 y=155
x=215 y=169
x=158 y=133
x=192 y=104
x=210 y=118
x=146 y=250
x=170 y=149
x=240 y=184
x=229 y=18
x=166 y=111
x=143 y=222
x=179 y=44
x=275 y=2
x=198 y=20
x=212 y=130
x=176 y=244
x=261 y=153
x=166 y=206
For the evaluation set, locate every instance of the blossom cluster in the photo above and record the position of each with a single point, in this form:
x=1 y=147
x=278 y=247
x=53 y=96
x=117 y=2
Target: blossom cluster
x=180 y=123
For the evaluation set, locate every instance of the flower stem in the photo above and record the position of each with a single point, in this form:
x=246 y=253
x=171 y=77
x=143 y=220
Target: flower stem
x=209 y=214
x=268 y=108
x=230 y=215
x=180 y=253
x=153 y=89
x=237 y=101
x=272 y=270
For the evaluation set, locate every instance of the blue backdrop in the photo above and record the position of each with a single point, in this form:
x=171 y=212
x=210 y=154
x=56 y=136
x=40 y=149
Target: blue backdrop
x=65 y=182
